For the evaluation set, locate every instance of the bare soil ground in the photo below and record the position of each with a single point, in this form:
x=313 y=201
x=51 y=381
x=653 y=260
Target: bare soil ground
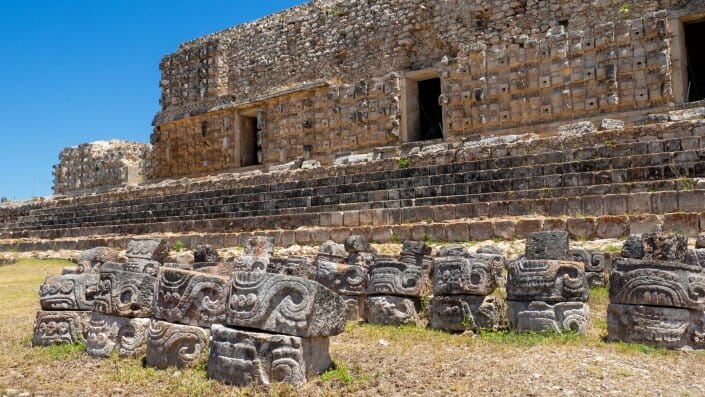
x=370 y=360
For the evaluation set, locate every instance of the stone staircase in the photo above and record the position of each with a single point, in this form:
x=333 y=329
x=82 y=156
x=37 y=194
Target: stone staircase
x=646 y=175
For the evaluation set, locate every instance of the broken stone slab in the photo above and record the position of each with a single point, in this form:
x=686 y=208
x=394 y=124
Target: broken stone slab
x=339 y=277
x=548 y=245
x=354 y=308
x=69 y=292
x=392 y=277
x=284 y=304
x=156 y=250
x=611 y=124
x=577 y=129
x=126 y=289
x=457 y=275
x=331 y=248
x=540 y=316
x=665 y=327
x=125 y=336
x=656 y=246
x=191 y=298
x=392 y=310
x=593 y=261
x=354 y=159
x=206 y=254
x=467 y=312
x=547 y=280
x=90 y=261
x=60 y=327
x=695 y=257
x=657 y=283
x=244 y=358
x=176 y=345
x=310 y=164
x=357 y=243
x=686 y=114
x=290 y=166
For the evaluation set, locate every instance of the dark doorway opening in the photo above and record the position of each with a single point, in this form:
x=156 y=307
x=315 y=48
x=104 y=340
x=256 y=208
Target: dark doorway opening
x=695 y=50
x=430 y=110
x=250 y=147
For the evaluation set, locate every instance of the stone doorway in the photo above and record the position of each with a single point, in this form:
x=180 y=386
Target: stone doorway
x=423 y=111
x=695 y=51
x=250 y=146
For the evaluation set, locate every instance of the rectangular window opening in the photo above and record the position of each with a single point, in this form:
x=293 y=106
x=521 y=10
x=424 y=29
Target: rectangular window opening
x=695 y=51
x=250 y=142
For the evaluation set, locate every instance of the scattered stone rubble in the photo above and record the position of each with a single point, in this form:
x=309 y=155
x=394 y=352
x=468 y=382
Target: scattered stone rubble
x=656 y=292
x=547 y=291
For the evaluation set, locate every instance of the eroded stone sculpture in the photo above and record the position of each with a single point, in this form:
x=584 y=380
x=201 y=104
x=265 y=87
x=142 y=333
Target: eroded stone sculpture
x=90 y=261
x=666 y=327
x=191 y=298
x=467 y=312
x=69 y=292
x=154 y=250
x=284 y=304
x=126 y=290
x=175 y=345
x=454 y=275
x=391 y=310
x=540 y=316
x=60 y=327
x=244 y=358
x=547 y=280
x=125 y=336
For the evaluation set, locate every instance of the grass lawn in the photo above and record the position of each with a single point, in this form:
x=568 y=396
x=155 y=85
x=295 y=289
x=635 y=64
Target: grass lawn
x=370 y=360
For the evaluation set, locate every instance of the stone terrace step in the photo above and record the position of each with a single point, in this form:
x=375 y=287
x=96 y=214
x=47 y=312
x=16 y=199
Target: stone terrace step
x=536 y=176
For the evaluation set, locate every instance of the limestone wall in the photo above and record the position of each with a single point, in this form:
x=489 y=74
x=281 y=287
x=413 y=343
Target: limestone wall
x=101 y=164
x=328 y=78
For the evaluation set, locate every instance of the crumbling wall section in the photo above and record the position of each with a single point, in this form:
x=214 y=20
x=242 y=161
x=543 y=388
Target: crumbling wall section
x=100 y=165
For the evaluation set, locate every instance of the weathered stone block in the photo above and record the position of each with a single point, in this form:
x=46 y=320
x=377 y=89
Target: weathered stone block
x=175 y=345
x=259 y=246
x=298 y=266
x=108 y=334
x=357 y=243
x=457 y=275
x=69 y=292
x=147 y=249
x=391 y=277
x=60 y=328
x=243 y=358
x=284 y=304
x=547 y=280
x=657 y=283
x=90 y=261
x=547 y=245
x=596 y=279
x=391 y=310
x=206 y=254
x=544 y=317
x=667 y=327
x=191 y=298
x=126 y=290
x=467 y=312
x=341 y=278
x=656 y=246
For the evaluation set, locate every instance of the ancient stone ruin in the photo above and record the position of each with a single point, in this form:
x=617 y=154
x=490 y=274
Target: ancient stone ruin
x=656 y=293
x=464 y=287
x=396 y=285
x=546 y=289
x=253 y=326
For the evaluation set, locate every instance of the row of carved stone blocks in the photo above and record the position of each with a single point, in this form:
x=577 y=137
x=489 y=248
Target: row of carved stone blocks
x=547 y=288
x=192 y=309
x=657 y=292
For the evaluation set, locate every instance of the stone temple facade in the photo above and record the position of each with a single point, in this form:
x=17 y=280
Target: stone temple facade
x=394 y=120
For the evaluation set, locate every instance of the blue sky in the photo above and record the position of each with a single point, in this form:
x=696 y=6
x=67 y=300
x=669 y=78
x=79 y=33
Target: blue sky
x=77 y=71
